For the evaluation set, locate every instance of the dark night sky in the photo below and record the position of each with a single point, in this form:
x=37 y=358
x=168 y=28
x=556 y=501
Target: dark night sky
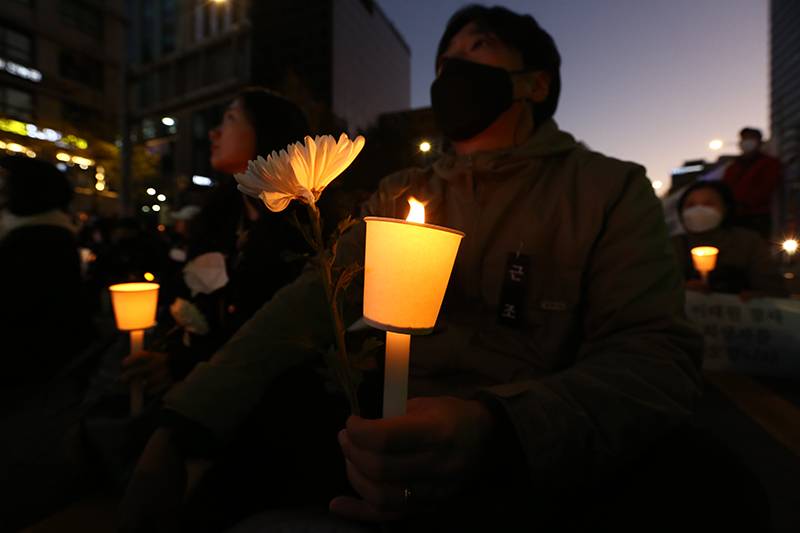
x=646 y=80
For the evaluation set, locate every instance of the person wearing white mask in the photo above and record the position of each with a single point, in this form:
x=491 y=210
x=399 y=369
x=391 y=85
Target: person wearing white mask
x=744 y=266
x=753 y=179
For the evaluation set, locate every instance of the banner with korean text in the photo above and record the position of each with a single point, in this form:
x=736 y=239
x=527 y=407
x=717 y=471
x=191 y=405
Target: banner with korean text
x=761 y=336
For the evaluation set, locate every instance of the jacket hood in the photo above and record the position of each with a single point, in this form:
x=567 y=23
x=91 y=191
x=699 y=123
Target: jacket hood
x=547 y=140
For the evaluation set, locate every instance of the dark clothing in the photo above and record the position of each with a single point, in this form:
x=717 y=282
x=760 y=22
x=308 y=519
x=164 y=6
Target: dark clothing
x=753 y=181
x=687 y=477
x=261 y=256
x=43 y=318
x=214 y=229
x=744 y=263
x=258 y=469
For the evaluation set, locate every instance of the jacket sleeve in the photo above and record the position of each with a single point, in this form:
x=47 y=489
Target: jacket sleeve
x=636 y=373
x=289 y=330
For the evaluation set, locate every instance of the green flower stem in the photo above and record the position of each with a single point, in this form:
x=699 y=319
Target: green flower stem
x=325 y=266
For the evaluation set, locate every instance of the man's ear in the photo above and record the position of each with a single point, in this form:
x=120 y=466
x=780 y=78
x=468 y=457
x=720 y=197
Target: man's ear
x=533 y=86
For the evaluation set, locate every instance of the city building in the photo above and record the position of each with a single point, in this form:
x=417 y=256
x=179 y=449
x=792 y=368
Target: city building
x=694 y=169
x=342 y=61
x=785 y=102
x=397 y=140
x=59 y=89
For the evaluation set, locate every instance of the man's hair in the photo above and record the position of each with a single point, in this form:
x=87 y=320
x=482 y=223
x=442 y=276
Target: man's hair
x=520 y=32
x=751 y=132
x=34 y=186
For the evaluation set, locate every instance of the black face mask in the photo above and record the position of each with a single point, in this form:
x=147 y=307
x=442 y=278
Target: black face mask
x=467 y=97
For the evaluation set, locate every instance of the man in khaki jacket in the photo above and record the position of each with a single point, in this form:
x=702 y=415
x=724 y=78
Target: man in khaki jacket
x=562 y=340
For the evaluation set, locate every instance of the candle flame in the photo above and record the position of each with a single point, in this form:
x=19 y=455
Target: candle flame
x=417 y=211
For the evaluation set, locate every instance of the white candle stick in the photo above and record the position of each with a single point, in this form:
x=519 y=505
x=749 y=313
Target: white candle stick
x=407 y=265
x=395 y=380
x=136 y=388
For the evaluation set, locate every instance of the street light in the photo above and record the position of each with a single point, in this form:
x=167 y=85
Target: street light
x=424 y=147
x=790 y=246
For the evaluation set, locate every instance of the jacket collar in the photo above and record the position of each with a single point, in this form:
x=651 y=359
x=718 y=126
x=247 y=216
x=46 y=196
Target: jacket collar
x=547 y=140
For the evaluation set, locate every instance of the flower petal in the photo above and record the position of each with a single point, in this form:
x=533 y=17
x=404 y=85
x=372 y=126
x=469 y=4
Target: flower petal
x=344 y=152
x=301 y=160
x=275 y=201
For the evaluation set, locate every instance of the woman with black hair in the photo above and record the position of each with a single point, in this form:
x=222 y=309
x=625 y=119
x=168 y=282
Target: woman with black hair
x=744 y=265
x=255 y=250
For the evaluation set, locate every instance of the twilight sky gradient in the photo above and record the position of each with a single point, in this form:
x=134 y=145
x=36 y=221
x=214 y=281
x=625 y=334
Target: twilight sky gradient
x=651 y=81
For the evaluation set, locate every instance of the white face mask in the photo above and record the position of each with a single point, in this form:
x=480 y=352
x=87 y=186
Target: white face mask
x=748 y=146
x=700 y=218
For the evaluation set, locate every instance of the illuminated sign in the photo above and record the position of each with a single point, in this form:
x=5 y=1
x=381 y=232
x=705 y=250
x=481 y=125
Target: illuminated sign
x=15 y=69
x=45 y=134
x=685 y=170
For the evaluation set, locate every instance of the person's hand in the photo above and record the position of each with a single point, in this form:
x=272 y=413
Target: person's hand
x=413 y=462
x=697 y=285
x=151 y=369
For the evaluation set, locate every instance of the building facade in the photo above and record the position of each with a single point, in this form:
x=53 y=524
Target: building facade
x=785 y=101
x=60 y=74
x=342 y=61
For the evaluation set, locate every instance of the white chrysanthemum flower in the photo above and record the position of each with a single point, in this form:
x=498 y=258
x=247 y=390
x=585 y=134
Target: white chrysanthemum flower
x=299 y=173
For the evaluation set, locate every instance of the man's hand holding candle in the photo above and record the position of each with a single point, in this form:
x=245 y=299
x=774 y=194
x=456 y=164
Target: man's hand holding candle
x=413 y=462
x=149 y=368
